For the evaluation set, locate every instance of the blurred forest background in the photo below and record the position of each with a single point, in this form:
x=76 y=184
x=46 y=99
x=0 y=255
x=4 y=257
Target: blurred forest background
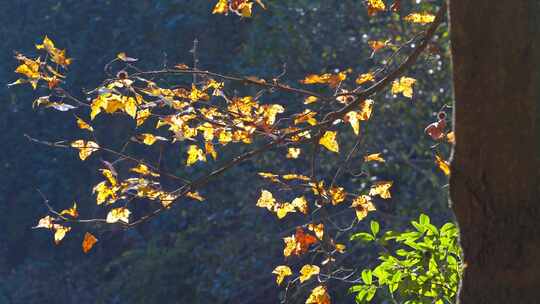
x=222 y=250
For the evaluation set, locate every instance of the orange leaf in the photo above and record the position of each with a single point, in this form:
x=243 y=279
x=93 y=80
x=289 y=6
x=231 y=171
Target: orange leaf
x=88 y=242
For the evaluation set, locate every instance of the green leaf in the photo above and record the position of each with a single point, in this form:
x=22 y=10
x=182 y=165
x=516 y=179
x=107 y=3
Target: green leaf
x=363 y=236
x=367 y=277
x=374 y=228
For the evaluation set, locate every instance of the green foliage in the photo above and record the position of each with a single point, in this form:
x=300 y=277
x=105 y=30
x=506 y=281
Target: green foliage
x=419 y=266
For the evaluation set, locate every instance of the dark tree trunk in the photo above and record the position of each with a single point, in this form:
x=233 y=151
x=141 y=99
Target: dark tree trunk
x=494 y=182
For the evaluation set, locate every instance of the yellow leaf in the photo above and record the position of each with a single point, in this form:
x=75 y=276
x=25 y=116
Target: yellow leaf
x=443 y=165
x=301 y=204
x=374 y=157
x=142 y=116
x=122 y=56
x=195 y=154
x=60 y=232
x=85 y=148
x=209 y=147
x=293 y=153
x=366 y=107
x=333 y=80
x=375 y=6
x=318 y=295
x=404 y=86
x=266 y=200
x=144 y=170
x=318 y=229
x=451 y=138
x=337 y=194
x=130 y=107
x=352 y=118
x=245 y=9
x=308 y=271
x=281 y=210
x=84 y=125
x=362 y=205
x=110 y=176
x=222 y=7
x=45 y=222
x=71 y=211
x=195 y=195
x=340 y=248
x=296 y=176
x=363 y=78
x=104 y=193
x=422 y=18
x=281 y=272
x=328 y=140
x=118 y=214
x=56 y=55
x=88 y=242
x=149 y=139
x=381 y=188
x=273 y=177
x=310 y=99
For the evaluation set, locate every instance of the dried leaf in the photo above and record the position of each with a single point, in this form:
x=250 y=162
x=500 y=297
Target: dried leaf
x=328 y=140
x=88 y=242
x=308 y=271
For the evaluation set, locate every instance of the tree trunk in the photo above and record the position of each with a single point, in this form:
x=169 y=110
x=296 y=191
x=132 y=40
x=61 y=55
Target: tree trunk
x=494 y=182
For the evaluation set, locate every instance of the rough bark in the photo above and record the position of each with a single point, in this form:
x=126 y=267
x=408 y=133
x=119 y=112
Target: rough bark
x=494 y=181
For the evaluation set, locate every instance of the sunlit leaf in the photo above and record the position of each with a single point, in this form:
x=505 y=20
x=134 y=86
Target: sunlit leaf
x=88 y=242
x=442 y=164
x=60 y=232
x=281 y=273
x=293 y=152
x=328 y=140
x=195 y=154
x=308 y=271
x=404 y=86
x=422 y=18
x=266 y=200
x=118 y=214
x=298 y=243
x=149 y=139
x=71 y=211
x=374 y=157
x=337 y=195
x=85 y=148
x=195 y=195
x=301 y=204
x=381 y=188
x=318 y=229
x=318 y=295
x=144 y=170
x=84 y=125
x=122 y=56
x=362 y=205
x=451 y=138
x=363 y=78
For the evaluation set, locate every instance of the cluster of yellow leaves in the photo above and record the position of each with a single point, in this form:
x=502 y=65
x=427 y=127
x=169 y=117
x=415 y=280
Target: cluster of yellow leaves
x=306 y=272
x=333 y=80
x=267 y=200
x=35 y=70
x=240 y=7
x=112 y=102
x=59 y=231
x=298 y=243
x=422 y=18
x=404 y=86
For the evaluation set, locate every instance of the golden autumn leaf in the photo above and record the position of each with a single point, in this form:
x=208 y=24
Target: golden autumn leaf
x=118 y=214
x=366 y=108
x=195 y=154
x=375 y=6
x=56 y=55
x=60 y=232
x=144 y=170
x=281 y=273
x=451 y=138
x=296 y=176
x=149 y=139
x=363 y=78
x=328 y=140
x=442 y=164
x=333 y=80
x=301 y=204
x=340 y=248
x=195 y=195
x=422 y=18
x=318 y=295
x=308 y=271
x=142 y=116
x=130 y=107
x=45 y=222
x=374 y=157
x=404 y=86
x=222 y=7
x=352 y=118
x=282 y=209
x=381 y=188
x=318 y=229
x=266 y=200
x=209 y=147
x=310 y=100
x=362 y=205
x=71 y=211
x=84 y=125
x=122 y=56
x=337 y=195
x=88 y=242
x=293 y=153
x=85 y=148
x=377 y=45
x=271 y=176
